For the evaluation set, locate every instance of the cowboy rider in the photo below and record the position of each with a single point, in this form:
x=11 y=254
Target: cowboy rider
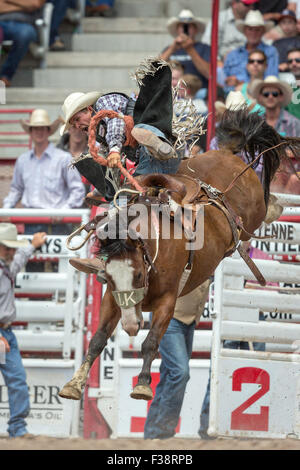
x=152 y=114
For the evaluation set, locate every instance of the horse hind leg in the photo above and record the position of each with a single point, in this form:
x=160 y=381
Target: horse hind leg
x=72 y=390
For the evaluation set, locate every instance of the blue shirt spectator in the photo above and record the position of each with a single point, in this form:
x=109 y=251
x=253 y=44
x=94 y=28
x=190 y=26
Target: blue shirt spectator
x=235 y=66
x=236 y=62
x=45 y=182
x=181 y=55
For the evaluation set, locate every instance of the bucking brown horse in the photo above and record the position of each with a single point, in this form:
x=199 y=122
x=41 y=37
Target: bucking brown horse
x=225 y=203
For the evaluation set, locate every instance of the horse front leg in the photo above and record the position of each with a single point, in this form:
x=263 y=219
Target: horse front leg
x=109 y=317
x=160 y=321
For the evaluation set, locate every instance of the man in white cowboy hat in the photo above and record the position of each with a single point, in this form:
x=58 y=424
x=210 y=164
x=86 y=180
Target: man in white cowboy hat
x=229 y=37
x=253 y=27
x=14 y=254
x=274 y=95
x=42 y=177
x=190 y=52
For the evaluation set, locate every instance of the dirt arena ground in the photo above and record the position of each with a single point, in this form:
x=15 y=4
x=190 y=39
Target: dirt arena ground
x=49 y=443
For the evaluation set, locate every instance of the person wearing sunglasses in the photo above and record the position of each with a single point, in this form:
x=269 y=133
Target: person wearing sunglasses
x=293 y=60
x=275 y=95
x=256 y=67
x=235 y=66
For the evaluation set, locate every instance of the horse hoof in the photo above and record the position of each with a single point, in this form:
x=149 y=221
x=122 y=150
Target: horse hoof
x=142 y=392
x=70 y=392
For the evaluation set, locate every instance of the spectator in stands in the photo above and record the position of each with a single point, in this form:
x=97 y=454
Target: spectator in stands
x=100 y=8
x=287 y=180
x=235 y=65
x=229 y=36
x=74 y=141
x=13 y=256
x=191 y=85
x=177 y=71
x=274 y=95
x=192 y=54
x=271 y=9
x=42 y=177
x=291 y=39
x=58 y=14
x=175 y=349
x=293 y=60
x=256 y=67
x=17 y=22
x=187 y=94
x=295 y=6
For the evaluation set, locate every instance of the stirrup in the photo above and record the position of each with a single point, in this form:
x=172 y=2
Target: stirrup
x=77 y=231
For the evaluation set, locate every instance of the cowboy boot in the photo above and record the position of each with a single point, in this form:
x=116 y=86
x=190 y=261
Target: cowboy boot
x=92 y=171
x=158 y=148
x=90 y=266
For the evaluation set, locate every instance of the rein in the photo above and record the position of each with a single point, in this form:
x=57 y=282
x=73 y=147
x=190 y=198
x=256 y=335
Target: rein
x=249 y=166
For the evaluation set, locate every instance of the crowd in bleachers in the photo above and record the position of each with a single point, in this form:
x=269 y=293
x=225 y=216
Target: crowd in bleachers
x=258 y=58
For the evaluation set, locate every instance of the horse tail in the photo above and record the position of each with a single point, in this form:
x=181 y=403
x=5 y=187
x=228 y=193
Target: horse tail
x=248 y=133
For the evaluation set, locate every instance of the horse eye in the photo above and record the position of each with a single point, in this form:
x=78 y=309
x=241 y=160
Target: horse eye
x=138 y=276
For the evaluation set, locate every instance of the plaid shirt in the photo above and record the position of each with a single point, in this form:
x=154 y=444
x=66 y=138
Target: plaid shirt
x=115 y=128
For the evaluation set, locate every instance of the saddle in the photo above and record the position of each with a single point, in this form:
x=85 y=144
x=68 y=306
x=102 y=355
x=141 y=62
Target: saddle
x=182 y=188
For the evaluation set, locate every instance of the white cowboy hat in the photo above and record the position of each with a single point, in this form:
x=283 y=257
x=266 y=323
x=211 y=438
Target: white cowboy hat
x=284 y=87
x=254 y=18
x=9 y=236
x=40 y=118
x=77 y=102
x=234 y=101
x=185 y=16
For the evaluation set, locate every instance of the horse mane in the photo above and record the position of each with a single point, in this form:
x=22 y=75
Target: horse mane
x=111 y=248
x=242 y=132
x=117 y=245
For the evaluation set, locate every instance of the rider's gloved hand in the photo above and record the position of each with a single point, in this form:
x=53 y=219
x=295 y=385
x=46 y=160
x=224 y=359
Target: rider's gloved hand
x=113 y=159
